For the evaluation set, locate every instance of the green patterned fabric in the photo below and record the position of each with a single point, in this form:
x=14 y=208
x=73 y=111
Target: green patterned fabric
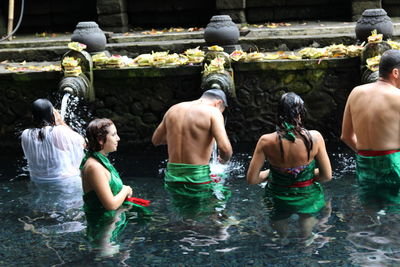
x=378 y=180
x=101 y=222
x=286 y=199
x=192 y=191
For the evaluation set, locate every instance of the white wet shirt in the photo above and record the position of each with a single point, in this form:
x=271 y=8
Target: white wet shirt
x=56 y=157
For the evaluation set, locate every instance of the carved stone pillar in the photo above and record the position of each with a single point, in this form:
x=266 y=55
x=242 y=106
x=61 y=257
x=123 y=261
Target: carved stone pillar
x=358 y=7
x=234 y=8
x=113 y=15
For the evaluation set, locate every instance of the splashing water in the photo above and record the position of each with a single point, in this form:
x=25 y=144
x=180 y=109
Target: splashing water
x=217 y=169
x=214 y=154
x=74 y=112
x=64 y=104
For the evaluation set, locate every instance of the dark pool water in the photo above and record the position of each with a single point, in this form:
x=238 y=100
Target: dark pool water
x=345 y=234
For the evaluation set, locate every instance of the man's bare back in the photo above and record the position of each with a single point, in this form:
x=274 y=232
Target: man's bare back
x=190 y=128
x=371 y=119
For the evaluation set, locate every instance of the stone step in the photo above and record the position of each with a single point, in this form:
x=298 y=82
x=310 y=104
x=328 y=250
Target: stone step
x=291 y=37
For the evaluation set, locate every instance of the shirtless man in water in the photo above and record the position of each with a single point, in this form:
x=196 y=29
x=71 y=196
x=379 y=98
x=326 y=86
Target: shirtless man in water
x=189 y=130
x=371 y=127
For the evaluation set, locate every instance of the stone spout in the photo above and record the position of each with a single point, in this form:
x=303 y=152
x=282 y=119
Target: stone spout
x=78 y=79
x=221 y=81
x=222 y=78
x=371 y=50
x=78 y=86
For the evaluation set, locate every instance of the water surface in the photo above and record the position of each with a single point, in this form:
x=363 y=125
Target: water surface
x=239 y=235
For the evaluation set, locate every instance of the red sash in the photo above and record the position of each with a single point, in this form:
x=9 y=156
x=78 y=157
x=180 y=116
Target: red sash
x=193 y=183
x=303 y=183
x=373 y=153
x=139 y=201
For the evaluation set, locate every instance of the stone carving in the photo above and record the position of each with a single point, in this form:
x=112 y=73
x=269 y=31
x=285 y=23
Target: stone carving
x=89 y=33
x=223 y=32
x=372 y=19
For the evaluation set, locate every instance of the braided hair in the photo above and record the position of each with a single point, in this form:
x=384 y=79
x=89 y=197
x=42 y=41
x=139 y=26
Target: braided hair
x=291 y=113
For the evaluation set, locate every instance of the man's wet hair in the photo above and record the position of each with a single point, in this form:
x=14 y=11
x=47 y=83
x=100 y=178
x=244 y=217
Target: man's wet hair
x=390 y=60
x=216 y=94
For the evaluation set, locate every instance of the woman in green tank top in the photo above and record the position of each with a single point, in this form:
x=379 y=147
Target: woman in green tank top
x=293 y=179
x=104 y=192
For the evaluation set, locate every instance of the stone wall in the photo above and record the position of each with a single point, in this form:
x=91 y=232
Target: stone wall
x=136 y=99
x=324 y=87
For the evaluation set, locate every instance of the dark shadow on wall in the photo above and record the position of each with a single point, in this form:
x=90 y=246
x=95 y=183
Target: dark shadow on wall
x=51 y=15
x=161 y=13
x=392 y=7
x=294 y=10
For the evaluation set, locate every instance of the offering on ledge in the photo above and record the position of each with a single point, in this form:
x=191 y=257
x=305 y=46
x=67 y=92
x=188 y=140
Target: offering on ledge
x=216 y=48
x=194 y=55
x=254 y=56
x=216 y=66
x=373 y=63
x=76 y=46
x=237 y=55
x=375 y=37
x=71 y=66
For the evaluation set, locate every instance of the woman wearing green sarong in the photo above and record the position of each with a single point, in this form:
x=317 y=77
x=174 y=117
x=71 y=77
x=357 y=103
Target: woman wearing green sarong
x=293 y=180
x=104 y=192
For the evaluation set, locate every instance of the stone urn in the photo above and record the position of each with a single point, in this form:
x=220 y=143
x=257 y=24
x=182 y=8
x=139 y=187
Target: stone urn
x=374 y=19
x=223 y=32
x=89 y=33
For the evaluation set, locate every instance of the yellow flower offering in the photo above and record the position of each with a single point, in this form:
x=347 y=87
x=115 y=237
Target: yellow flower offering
x=76 y=46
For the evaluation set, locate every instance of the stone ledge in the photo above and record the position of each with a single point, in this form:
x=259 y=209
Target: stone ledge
x=104 y=74
x=303 y=64
x=146 y=72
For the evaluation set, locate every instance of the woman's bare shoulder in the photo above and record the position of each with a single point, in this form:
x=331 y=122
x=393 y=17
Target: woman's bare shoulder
x=268 y=139
x=92 y=168
x=316 y=136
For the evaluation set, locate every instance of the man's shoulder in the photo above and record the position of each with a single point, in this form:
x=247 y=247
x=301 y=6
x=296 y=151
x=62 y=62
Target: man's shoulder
x=362 y=88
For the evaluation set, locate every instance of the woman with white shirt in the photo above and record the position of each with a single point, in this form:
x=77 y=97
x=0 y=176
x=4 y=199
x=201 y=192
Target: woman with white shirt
x=54 y=152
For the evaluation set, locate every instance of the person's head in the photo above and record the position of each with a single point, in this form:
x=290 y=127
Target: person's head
x=218 y=96
x=43 y=113
x=102 y=136
x=390 y=64
x=291 y=109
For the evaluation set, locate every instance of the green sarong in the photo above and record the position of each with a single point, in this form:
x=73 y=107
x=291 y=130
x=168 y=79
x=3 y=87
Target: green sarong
x=378 y=178
x=193 y=192
x=102 y=223
x=292 y=192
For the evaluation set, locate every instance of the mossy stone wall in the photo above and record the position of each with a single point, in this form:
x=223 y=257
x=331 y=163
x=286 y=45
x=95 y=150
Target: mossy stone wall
x=136 y=99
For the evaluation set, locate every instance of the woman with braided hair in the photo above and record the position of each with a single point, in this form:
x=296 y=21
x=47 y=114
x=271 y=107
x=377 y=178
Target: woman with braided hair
x=293 y=179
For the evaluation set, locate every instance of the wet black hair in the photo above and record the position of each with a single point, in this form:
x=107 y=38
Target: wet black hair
x=390 y=59
x=97 y=131
x=43 y=115
x=291 y=110
x=216 y=94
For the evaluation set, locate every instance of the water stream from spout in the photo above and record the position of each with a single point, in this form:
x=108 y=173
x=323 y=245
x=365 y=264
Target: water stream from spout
x=214 y=154
x=64 y=105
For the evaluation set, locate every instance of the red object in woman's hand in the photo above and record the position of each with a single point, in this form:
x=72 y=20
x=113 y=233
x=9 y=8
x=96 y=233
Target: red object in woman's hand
x=139 y=201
